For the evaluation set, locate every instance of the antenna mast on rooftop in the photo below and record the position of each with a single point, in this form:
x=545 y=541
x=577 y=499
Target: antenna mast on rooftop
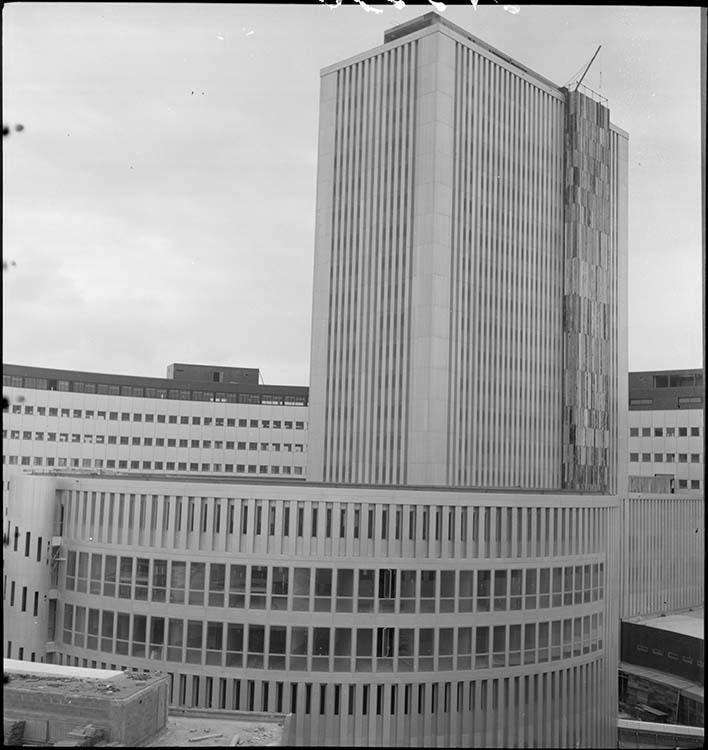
x=592 y=60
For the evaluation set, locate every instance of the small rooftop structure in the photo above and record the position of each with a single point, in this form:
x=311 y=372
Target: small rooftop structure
x=212 y=373
x=57 y=703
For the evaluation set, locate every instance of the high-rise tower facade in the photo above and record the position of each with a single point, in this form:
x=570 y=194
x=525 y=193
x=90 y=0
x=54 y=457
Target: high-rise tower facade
x=469 y=304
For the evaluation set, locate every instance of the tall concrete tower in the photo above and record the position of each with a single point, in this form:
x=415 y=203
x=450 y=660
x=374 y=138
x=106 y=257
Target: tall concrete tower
x=470 y=272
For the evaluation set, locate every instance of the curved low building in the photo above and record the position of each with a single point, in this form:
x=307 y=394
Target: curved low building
x=377 y=616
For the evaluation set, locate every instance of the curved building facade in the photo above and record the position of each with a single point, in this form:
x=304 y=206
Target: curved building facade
x=376 y=616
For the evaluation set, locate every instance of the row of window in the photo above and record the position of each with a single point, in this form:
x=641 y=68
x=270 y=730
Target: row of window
x=685 y=401
x=179 y=394
x=22 y=599
x=670 y=654
x=319 y=589
x=21 y=653
x=665 y=431
x=671 y=458
x=28 y=542
x=329 y=649
x=63 y=437
x=125 y=416
x=99 y=463
x=688 y=380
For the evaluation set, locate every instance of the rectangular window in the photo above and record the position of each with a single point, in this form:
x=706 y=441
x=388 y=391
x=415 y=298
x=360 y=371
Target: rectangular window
x=175 y=640
x=276 y=649
x=194 y=641
x=689 y=401
x=197 y=573
x=178 y=578
x=234 y=645
x=142 y=577
x=214 y=642
x=139 y=636
x=301 y=589
x=345 y=589
x=298 y=648
x=364 y=649
x=237 y=586
x=426 y=649
x=159 y=580
x=256 y=646
x=342 y=649
x=320 y=649
x=122 y=633
x=500 y=584
x=109 y=576
x=279 y=587
x=217 y=582
x=323 y=589
x=365 y=601
x=126 y=578
x=259 y=586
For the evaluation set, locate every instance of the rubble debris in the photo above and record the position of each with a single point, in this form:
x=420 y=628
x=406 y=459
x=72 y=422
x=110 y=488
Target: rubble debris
x=204 y=737
x=15 y=733
x=88 y=736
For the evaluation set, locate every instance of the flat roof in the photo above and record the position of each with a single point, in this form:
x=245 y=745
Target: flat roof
x=51 y=373
x=684 y=623
x=57 y=678
x=164 y=388
x=300 y=483
x=17 y=666
x=432 y=22
x=225 y=368
x=432 y=18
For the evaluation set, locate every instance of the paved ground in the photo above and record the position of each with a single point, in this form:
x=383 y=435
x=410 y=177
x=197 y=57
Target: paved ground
x=182 y=731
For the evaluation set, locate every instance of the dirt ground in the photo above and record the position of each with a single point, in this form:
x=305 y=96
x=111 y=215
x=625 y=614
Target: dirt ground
x=180 y=730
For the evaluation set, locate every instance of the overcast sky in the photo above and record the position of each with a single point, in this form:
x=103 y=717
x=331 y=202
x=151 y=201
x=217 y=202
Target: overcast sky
x=160 y=202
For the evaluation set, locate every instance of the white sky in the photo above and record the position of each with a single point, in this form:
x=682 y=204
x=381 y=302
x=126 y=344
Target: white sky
x=160 y=202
